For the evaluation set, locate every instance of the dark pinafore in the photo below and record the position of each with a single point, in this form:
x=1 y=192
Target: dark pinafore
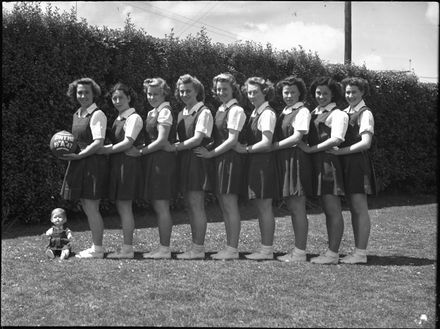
x=229 y=165
x=159 y=166
x=359 y=176
x=59 y=240
x=126 y=178
x=260 y=177
x=327 y=169
x=86 y=178
x=294 y=166
x=194 y=173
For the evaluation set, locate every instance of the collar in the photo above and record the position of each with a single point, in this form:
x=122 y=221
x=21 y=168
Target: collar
x=328 y=107
x=161 y=106
x=360 y=105
x=231 y=102
x=89 y=110
x=195 y=108
x=126 y=113
x=260 y=108
x=290 y=109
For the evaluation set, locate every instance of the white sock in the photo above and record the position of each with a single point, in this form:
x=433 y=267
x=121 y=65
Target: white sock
x=198 y=247
x=230 y=249
x=267 y=249
x=97 y=248
x=360 y=252
x=127 y=248
x=299 y=251
x=164 y=248
x=331 y=253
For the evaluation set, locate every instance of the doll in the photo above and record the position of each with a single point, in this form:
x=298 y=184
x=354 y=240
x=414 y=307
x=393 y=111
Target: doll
x=60 y=237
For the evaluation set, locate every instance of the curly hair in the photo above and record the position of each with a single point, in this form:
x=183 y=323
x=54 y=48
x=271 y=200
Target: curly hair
x=128 y=91
x=199 y=88
x=292 y=81
x=158 y=82
x=361 y=83
x=71 y=91
x=265 y=85
x=335 y=88
x=229 y=78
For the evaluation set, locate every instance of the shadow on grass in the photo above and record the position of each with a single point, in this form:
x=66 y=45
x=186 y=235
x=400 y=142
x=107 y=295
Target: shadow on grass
x=371 y=260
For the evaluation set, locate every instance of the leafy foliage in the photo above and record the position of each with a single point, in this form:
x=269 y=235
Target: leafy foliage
x=44 y=51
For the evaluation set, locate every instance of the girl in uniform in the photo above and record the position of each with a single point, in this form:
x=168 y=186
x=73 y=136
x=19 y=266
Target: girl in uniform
x=194 y=128
x=260 y=176
x=125 y=181
x=86 y=174
x=358 y=169
x=229 y=121
x=327 y=130
x=294 y=165
x=159 y=165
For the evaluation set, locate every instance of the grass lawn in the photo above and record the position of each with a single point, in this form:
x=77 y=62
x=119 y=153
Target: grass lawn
x=395 y=288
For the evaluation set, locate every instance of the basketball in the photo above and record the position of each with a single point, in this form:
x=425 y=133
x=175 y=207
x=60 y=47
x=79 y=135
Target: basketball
x=62 y=142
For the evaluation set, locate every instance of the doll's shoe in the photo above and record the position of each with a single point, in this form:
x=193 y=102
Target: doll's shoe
x=50 y=254
x=225 y=254
x=121 y=254
x=158 y=254
x=292 y=257
x=354 y=259
x=260 y=255
x=90 y=253
x=325 y=259
x=192 y=254
x=64 y=254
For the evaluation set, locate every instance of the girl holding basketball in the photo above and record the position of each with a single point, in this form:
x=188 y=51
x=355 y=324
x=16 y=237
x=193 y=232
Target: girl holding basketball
x=229 y=121
x=260 y=176
x=125 y=183
x=294 y=165
x=359 y=177
x=86 y=174
x=327 y=130
x=159 y=166
x=194 y=128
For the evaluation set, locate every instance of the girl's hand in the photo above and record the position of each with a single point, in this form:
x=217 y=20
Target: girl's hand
x=303 y=146
x=202 y=152
x=169 y=147
x=70 y=156
x=334 y=150
x=105 y=149
x=240 y=148
x=133 y=152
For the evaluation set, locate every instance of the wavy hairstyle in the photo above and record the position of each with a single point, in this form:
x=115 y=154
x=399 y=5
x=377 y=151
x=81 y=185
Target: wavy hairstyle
x=199 y=88
x=265 y=85
x=71 y=91
x=361 y=83
x=158 y=82
x=128 y=91
x=292 y=81
x=229 y=78
x=335 y=88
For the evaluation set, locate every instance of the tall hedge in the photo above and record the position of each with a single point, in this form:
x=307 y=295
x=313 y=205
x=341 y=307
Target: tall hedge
x=44 y=51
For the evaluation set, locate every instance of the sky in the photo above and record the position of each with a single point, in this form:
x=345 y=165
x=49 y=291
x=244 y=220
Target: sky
x=385 y=35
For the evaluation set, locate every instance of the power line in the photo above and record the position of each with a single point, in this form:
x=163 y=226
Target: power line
x=173 y=18
x=198 y=19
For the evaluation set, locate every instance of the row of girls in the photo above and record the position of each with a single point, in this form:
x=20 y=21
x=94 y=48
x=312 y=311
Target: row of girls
x=322 y=152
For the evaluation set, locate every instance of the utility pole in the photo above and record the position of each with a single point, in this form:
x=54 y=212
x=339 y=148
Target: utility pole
x=347 y=50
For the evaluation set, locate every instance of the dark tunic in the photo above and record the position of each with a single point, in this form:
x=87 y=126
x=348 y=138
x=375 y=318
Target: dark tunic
x=85 y=178
x=58 y=240
x=359 y=176
x=327 y=169
x=159 y=166
x=194 y=173
x=260 y=179
x=294 y=166
x=229 y=166
x=126 y=179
